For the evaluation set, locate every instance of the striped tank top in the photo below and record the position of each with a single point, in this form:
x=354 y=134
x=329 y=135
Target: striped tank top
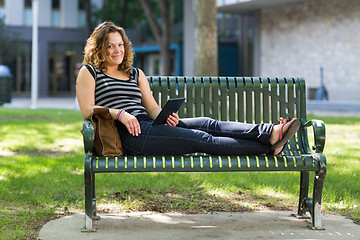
x=118 y=94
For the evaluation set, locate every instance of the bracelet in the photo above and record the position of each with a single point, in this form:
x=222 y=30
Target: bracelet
x=120 y=113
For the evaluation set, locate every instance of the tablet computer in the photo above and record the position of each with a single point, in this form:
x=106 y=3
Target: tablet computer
x=171 y=106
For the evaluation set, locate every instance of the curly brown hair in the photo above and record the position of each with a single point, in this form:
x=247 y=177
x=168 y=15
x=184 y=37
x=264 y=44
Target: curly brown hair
x=96 y=47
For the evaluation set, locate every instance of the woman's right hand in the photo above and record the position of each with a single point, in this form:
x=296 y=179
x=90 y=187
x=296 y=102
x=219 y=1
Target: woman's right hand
x=131 y=123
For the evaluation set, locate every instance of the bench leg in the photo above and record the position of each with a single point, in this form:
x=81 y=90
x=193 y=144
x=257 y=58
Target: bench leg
x=88 y=225
x=316 y=205
x=313 y=205
x=90 y=200
x=304 y=192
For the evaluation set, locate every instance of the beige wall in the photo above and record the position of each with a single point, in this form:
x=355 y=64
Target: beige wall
x=297 y=39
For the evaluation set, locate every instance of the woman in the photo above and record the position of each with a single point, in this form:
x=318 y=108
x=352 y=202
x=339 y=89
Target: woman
x=108 y=79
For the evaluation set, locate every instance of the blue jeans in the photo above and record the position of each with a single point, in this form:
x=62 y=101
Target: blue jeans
x=202 y=134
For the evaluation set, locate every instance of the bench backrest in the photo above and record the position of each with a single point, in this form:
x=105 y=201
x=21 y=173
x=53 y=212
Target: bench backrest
x=243 y=99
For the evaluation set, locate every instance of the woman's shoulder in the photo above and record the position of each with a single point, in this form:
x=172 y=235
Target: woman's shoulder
x=136 y=71
x=134 y=74
x=91 y=68
x=140 y=71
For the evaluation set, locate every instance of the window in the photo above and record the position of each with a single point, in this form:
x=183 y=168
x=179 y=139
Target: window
x=82 y=14
x=55 y=13
x=2 y=10
x=19 y=61
x=64 y=63
x=81 y=5
x=28 y=4
x=55 y=4
x=28 y=13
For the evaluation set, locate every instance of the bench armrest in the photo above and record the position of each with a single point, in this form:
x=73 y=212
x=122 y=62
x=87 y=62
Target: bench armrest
x=88 y=136
x=319 y=134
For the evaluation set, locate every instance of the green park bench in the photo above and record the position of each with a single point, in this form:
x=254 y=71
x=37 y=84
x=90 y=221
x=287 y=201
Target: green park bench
x=243 y=99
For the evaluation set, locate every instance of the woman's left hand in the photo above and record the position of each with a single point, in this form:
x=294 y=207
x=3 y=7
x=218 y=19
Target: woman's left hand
x=173 y=120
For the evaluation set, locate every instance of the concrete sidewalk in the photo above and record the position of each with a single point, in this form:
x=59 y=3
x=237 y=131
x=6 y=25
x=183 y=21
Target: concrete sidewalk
x=333 y=108
x=157 y=226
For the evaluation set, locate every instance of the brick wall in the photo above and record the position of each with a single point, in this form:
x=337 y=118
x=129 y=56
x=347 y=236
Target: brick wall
x=298 y=38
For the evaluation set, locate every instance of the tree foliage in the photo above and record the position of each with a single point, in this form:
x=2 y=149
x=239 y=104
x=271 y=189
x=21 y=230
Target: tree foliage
x=125 y=13
x=154 y=18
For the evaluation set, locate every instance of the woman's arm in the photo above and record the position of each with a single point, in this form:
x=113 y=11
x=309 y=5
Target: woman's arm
x=85 y=92
x=149 y=102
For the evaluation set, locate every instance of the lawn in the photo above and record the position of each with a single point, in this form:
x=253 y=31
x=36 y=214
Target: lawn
x=41 y=177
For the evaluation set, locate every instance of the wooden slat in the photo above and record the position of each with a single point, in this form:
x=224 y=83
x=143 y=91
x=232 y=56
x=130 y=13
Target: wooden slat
x=257 y=99
x=282 y=97
x=266 y=99
x=164 y=90
x=155 y=88
x=224 y=108
x=173 y=87
x=232 y=99
x=274 y=100
x=198 y=96
x=291 y=98
x=190 y=98
x=241 y=103
x=215 y=98
x=181 y=90
x=249 y=100
x=207 y=96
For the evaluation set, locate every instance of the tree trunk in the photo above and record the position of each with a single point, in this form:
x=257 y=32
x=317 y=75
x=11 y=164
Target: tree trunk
x=206 y=44
x=165 y=38
x=124 y=10
x=87 y=6
x=161 y=35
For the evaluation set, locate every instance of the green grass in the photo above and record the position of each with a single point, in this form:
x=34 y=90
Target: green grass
x=41 y=177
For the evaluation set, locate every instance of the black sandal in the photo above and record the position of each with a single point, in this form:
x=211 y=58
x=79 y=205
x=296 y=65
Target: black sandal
x=290 y=132
x=282 y=149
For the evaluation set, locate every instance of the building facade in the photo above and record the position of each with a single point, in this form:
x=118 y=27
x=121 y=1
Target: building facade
x=62 y=36
x=299 y=37
x=256 y=38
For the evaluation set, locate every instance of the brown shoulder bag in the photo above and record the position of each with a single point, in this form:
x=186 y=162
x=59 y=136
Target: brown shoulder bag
x=107 y=140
